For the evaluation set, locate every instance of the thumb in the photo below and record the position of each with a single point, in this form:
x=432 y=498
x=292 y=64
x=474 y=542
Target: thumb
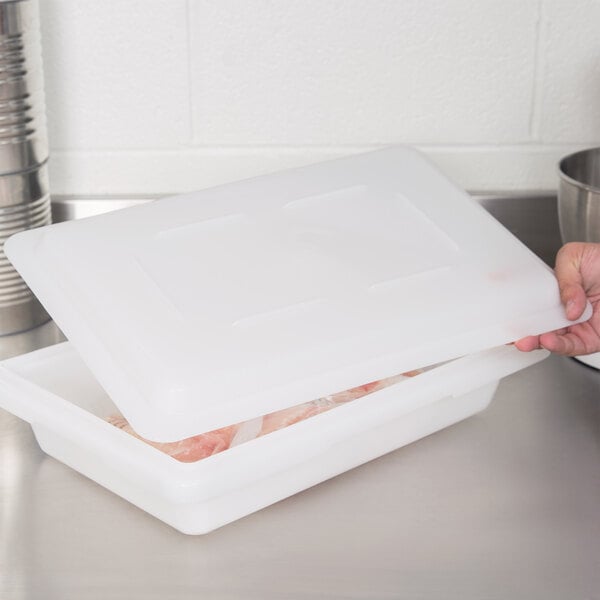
x=570 y=279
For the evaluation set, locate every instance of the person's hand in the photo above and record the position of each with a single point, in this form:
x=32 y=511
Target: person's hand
x=578 y=272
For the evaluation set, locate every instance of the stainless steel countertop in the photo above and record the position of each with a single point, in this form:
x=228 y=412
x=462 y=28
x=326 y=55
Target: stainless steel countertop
x=503 y=505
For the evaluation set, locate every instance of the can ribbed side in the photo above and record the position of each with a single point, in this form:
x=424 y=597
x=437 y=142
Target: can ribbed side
x=14 y=219
x=24 y=194
x=23 y=137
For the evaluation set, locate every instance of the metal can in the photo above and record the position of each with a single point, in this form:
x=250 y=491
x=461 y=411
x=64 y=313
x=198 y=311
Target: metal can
x=24 y=191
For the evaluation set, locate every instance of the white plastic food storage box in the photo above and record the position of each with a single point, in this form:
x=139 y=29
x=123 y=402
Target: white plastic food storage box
x=212 y=308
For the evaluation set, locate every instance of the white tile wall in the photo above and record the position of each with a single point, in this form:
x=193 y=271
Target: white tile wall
x=116 y=74
x=161 y=96
x=339 y=72
x=570 y=103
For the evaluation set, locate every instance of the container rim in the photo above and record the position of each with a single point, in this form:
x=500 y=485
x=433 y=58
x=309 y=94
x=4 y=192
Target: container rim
x=580 y=184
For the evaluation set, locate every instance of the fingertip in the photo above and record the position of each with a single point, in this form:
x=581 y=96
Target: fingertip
x=527 y=344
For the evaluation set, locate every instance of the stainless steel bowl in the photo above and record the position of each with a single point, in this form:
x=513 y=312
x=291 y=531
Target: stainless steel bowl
x=579 y=196
x=579 y=207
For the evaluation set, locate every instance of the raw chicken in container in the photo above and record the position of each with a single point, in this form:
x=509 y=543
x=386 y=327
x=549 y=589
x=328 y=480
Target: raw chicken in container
x=190 y=449
x=207 y=444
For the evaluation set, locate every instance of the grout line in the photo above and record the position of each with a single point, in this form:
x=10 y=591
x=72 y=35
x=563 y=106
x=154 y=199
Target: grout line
x=538 y=76
x=292 y=149
x=188 y=16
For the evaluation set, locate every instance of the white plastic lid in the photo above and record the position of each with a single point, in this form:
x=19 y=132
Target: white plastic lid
x=211 y=308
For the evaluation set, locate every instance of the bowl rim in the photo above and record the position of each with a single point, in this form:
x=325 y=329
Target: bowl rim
x=567 y=178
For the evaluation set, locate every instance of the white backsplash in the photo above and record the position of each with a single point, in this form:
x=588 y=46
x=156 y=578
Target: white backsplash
x=160 y=96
